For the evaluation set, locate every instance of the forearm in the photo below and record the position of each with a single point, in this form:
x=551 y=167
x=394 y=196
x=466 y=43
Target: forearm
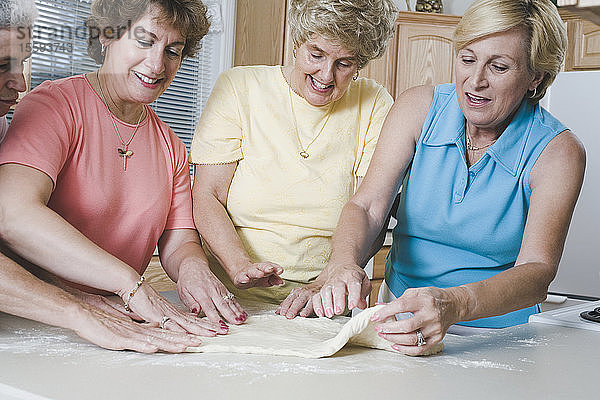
x=24 y=295
x=516 y=288
x=218 y=233
x=185 y=254
x=41 y=236
x=354 y=239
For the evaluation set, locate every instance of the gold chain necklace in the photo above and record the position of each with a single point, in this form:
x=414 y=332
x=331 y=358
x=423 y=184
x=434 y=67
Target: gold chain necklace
x=474 y=148
x=304 y=150
x=124 y=152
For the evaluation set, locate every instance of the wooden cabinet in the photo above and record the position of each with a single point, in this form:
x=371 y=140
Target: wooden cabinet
x=259 y=32
x=425 y=53
x=583 y=52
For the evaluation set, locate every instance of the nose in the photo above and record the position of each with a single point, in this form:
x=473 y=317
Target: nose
x=327 y=69
x=479 y=76
x=17 y=80
x=155 y=60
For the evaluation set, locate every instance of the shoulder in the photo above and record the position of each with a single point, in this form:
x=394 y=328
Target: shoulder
x=251 y=72
x=414 y=103
x=563 y=159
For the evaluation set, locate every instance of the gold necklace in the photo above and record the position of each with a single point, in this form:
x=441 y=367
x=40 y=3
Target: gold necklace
x=304 y=150
x=474 y=148
x=124 y=152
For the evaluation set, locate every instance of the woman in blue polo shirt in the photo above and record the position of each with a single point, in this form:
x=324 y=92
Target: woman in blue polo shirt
x=489 y=183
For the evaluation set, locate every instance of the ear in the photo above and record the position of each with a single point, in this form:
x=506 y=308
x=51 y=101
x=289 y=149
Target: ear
x=537 y=79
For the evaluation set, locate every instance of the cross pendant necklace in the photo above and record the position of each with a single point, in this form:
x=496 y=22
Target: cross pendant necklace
x=123 y=152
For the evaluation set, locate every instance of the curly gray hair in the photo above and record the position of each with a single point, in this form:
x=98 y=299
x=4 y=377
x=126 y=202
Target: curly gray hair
x=363 y=27
x=17 y=13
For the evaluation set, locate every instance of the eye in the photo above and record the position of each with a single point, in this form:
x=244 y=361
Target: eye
x=499 y=68
x=4 y=67
x=467 y=60
x=144 y=43
x=173 y=53
x=316 y=56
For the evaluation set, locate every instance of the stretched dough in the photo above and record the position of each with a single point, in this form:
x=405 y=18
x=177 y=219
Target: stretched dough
x=301 y=337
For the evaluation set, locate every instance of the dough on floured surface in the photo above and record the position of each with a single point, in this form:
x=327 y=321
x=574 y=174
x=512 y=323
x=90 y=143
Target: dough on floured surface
x=272 y=334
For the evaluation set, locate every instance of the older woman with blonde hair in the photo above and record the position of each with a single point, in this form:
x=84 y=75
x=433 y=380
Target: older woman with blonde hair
x=489 y=183
x=91 y=180
x=279 y=150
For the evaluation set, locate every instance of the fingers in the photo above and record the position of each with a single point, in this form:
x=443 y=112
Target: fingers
x=263 y=274
x=214 y=299
x=298 y=300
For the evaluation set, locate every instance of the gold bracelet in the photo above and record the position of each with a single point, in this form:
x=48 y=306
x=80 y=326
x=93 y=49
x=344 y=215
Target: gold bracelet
x=130 y=294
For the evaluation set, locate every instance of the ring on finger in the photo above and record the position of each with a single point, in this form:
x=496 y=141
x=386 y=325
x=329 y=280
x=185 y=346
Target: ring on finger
x=229 y=296
x=163 y=321
x=420 y=339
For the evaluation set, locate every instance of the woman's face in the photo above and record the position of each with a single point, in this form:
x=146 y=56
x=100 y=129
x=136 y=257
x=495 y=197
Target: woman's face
x=323 y=71
x=492 y=78
x=15 y=48
x=143 y=62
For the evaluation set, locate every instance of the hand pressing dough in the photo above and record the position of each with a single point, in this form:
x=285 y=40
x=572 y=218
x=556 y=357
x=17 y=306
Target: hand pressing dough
x=301 y=337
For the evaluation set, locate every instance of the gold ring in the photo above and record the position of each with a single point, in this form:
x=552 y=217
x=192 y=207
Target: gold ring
x=420 y=339
x=163 y=321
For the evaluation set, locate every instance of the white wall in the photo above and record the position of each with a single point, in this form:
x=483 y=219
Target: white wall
x=455 y=7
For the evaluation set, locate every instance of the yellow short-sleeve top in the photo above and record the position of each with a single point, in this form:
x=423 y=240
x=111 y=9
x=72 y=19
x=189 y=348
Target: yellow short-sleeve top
x=285 y=207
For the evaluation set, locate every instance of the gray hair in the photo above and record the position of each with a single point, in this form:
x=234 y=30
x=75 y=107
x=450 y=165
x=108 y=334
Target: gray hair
x=17 y=13
x=363 y=27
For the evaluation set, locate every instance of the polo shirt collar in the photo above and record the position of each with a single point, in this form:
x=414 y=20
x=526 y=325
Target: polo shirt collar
x=448 y=128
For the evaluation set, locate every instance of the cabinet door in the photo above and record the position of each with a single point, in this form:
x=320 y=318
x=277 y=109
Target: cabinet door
x=586 y=45
x=259 y=32
x=425 y=55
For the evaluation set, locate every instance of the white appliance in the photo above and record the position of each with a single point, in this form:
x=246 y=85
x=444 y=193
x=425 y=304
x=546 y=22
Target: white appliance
x=574 y=98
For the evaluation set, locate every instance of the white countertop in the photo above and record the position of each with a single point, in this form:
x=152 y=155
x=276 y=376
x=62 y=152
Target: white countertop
x=528 y=361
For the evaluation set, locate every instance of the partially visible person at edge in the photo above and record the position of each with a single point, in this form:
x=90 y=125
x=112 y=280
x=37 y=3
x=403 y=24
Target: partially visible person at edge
x=91 y=180
x=22 y=293
x=279 y=150
x=489 y=183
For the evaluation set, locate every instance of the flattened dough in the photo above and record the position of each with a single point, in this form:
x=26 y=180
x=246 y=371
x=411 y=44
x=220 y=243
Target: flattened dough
x=301 y=337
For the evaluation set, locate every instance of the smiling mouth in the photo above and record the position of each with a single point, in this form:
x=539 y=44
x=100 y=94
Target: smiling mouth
x=320 y=87
x=476 y=99
x=147 y=80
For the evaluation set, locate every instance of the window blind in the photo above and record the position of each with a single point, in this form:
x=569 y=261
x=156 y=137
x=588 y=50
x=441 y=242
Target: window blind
x=60 y=50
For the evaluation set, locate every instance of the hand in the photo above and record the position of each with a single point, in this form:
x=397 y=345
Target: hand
x=200 y=290
x=263 y=274
x=299 y=301
x=101 y=302
x=154 y=308
x=121 y=333
x=339 y=282
x=434 y=310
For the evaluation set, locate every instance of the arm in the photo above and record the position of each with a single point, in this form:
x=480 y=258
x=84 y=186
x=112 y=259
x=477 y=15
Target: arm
x=38 y=234
x=364 y=216
x=555 y=181
x=199 y=289
x=24 y=295
x=211 y=186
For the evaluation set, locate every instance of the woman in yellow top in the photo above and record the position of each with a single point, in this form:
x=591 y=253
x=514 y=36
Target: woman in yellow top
x=279 y=151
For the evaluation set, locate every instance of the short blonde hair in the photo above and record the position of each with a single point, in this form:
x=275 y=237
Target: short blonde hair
x=363 y=27
x=546 y=34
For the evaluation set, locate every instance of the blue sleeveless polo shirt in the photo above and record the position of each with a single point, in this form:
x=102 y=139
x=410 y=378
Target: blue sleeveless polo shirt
x=456 y=224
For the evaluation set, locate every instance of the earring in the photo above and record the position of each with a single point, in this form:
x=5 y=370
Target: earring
x=294 y=52
x=355 y=77
x=534 y=93
x=102 y=49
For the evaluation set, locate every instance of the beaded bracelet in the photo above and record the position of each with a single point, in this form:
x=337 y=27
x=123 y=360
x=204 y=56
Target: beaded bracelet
x=130 y=294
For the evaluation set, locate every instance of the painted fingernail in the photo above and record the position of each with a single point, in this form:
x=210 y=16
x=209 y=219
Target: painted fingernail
x=212 y=331
x=195 y=310
x=222 y=322
x=338 y=310
x=375 y=317
x=351 y=305
x=396 y=347
x=329 y=312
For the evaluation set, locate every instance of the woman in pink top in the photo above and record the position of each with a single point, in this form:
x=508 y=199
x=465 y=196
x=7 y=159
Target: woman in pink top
x=91 y=180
